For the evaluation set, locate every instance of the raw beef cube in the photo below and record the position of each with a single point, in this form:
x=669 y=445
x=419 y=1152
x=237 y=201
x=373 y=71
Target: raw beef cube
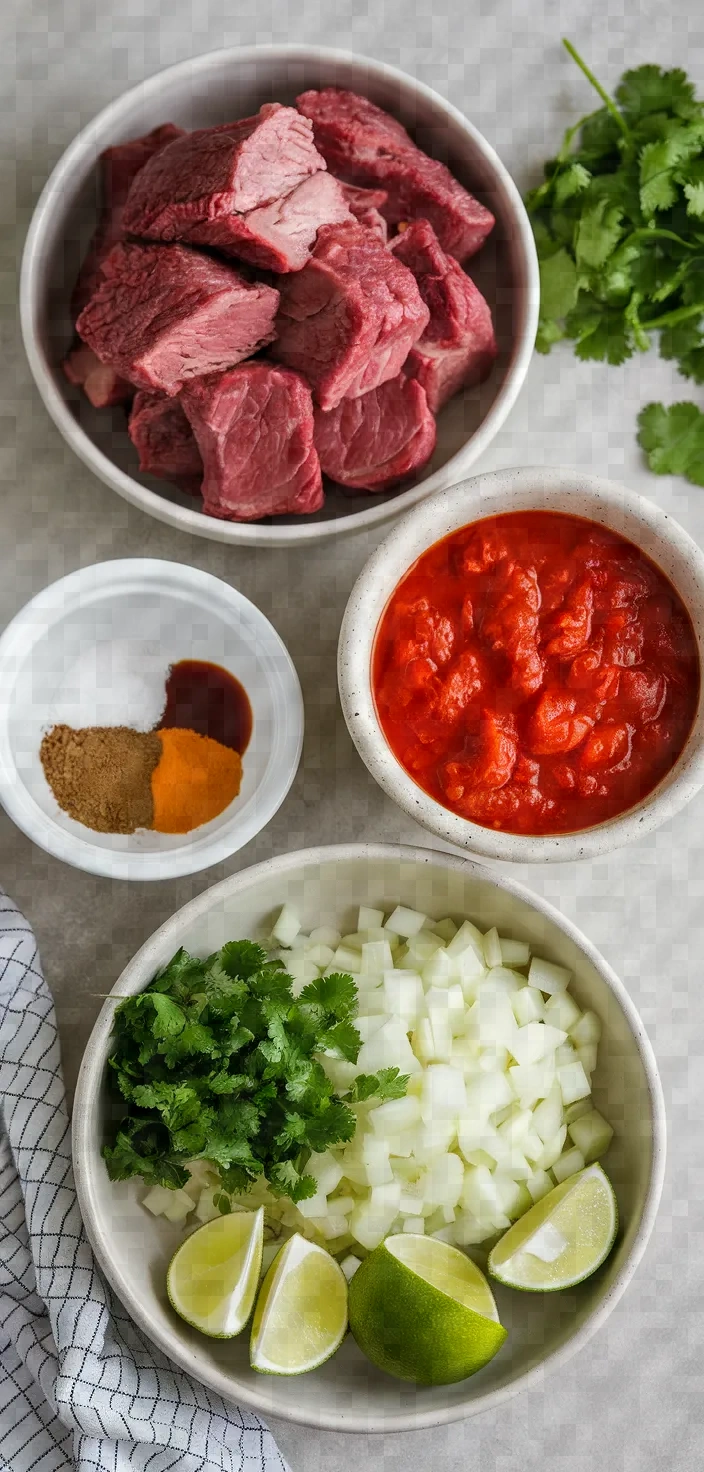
x=364 y=145
x=254 y=427
x=165 y=314
x=100 y=383
x=119 y=167
x=214 y=186
x=278 y=236
x=373 y=441
x=166 y=443
x=366 y=206
x=349 y=319
x=458 y=346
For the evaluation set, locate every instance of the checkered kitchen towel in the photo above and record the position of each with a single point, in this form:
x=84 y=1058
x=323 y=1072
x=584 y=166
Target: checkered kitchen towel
x=79 y=1385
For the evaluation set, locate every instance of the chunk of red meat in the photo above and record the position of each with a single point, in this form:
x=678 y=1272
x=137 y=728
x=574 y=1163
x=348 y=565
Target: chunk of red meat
x=510 y=625
x=100 y=383
x=459 y=689
x=366 y=206
x=490 y=765
x=557 y=725
x=279 y=236
x=254 y=428
x=643 y=694
x=160 y=431
x=349 y=319
x=608 y=747
x=365 y=145
x=623 y=640
x=165 y=314
x=378 y=439
x=244 y=188
x=119 y=167
x=570 y=630
x=458 y=347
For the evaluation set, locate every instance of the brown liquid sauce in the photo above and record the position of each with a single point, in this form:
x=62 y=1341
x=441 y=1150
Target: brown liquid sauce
x=206 y=698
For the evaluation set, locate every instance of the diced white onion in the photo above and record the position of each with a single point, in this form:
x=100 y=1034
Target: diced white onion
x=286 y=927
x=568 y=1164
x=405 y=922
x=547 y=977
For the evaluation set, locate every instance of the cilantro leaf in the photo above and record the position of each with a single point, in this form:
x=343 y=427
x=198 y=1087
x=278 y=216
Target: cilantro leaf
x=659 y=166
x=242 y=958
x=685 y=344
x=344 y=1039
x=558 y=285
x=598 y=232
x=673 y=440
x=648 y=89
x=336 y=994
x=693 y=187
x=388 y=1083
x=285 y=1180
x=600 y=332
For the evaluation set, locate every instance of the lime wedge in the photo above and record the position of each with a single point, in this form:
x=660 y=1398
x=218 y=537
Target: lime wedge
x=213 y=1276
x=423 y=1311
x=301 y=1313
x=563 y=1239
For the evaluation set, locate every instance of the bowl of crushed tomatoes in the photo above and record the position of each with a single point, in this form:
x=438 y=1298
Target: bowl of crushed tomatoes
x=520 y=665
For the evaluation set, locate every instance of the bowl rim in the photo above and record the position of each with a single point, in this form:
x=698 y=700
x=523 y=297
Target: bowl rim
x=29 y=627
x=184 y=518
x=412 y=537
x=90 y=1076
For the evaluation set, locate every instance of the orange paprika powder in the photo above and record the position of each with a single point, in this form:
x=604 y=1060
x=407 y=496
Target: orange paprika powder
x=194 y=781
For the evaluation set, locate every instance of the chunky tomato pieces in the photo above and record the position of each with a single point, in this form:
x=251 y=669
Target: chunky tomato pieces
x=536 y=673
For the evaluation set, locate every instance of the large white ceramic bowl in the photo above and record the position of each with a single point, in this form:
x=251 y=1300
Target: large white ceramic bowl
x=348 y=1394
x=234 y=83
x=573 y=493
x=94 y=649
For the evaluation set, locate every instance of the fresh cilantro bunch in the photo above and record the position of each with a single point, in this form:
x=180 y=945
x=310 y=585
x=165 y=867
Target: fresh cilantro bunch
x=216 y=1061
x=619 y=228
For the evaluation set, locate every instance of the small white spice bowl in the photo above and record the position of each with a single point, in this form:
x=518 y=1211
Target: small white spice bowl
x=539 y=489
x=94 y=649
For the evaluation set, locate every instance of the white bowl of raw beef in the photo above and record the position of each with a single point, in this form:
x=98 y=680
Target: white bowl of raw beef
x=257 y=288
x=326 y=887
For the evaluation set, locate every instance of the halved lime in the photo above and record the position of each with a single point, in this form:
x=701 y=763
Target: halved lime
x=301 y=1313
x=423 y=1311
x=563 y=1239
x=213 y=1276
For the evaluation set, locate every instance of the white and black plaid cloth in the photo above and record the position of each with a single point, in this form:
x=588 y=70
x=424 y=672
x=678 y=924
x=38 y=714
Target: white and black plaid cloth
x=79 y=1385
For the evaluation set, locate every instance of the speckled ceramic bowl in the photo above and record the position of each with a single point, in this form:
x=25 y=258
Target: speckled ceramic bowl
x=234 y=83
x=576 y=494
x=326 y=886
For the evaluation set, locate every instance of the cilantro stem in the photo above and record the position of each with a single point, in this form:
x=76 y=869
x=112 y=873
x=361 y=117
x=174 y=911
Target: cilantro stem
x=658 y=234
x=680 y=314
x=607 y=101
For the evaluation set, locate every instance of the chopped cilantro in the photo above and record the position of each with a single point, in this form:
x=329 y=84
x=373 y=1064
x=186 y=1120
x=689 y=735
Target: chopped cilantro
x=619 y=229
x=217 y=1060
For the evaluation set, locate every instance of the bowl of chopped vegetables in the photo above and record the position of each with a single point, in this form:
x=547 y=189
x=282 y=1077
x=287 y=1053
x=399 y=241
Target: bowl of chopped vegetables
x=373 y=1084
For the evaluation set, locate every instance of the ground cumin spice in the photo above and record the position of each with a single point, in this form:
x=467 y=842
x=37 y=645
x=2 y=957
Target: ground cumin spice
x=195 y=779
x=101 y=775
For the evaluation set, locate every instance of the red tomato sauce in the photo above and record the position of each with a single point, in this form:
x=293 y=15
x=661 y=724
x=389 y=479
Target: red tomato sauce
x=536 y=673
